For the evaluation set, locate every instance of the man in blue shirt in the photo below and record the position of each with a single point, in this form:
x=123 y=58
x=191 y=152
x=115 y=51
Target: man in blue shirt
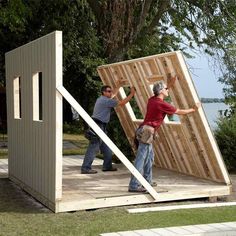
x=101 y=115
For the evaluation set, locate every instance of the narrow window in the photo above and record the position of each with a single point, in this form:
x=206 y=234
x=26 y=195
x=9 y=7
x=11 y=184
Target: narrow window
x=132 y=106
x=17 y=97
x=37 y=97
x=174 y=117
x=135 y=108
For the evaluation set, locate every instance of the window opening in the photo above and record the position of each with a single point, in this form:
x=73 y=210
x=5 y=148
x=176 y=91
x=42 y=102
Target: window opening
x=37 y=97
x=133 y=104
x=17 y=97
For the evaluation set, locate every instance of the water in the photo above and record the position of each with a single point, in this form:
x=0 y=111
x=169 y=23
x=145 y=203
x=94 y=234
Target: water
x=212 y=111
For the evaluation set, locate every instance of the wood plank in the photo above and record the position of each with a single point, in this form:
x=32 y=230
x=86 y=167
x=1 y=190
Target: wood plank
x=178 y=207
x=75 y=205
x=59 y=118
x=152 y=79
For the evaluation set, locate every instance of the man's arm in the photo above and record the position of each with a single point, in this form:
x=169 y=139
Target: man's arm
x=127 y=99
x=187 y=111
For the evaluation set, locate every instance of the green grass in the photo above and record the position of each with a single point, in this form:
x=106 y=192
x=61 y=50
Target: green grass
x=67 y=152
x=21 y=215
x=3 y=153
x=75 y=137
x=3 y=137
x=78 y=140
x=17 y=218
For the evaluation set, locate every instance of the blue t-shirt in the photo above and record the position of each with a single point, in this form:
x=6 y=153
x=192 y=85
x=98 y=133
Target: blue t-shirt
x=102 y=108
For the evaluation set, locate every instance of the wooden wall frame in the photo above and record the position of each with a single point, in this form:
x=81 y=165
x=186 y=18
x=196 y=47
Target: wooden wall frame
x=187 y=146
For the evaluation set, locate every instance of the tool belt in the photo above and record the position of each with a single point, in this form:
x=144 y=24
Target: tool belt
x=90 y=134
x=145 y=134
x=99 y=122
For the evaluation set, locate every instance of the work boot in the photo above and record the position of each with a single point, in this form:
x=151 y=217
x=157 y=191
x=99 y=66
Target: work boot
x=91 y=171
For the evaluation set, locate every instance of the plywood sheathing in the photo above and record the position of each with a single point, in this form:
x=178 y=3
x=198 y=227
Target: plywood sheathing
x=187 y=146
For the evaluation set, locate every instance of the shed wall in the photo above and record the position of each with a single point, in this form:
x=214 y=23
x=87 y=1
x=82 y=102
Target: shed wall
x=35 y=146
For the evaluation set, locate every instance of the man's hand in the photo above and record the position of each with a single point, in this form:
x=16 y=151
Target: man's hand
x=118 y=84
x=171 y=81
x=132 y=90
x=127 y=99
x=187 y=111
x=196 y=106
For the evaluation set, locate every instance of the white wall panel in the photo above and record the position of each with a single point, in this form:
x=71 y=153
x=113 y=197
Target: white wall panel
x=35 y=147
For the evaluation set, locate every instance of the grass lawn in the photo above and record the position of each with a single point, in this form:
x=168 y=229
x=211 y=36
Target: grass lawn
x=78 y=140
x=100 y=221
x=21 y=215
x=3 y=150
x=3 y=137
x=3 y=154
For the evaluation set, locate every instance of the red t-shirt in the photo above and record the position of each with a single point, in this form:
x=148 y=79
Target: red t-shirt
x=156 y=112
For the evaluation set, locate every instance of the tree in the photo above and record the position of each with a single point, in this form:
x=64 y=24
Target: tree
x=225 y=134
x=123 y=23
x=229 y=77
x=13 y=15
x=81 y=46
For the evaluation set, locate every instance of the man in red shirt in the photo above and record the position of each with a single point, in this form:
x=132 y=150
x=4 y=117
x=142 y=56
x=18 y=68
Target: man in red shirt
x=157 y=109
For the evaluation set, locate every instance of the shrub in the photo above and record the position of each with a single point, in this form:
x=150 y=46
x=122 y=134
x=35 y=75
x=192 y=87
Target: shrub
x=76 y=127
x=225 y=135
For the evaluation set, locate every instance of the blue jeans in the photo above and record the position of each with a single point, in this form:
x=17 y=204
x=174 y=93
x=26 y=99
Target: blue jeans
x=143 y=163
x=95 y=145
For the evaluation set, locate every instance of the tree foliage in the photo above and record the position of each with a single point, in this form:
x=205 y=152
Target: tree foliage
x=94 y=31
x=13 y=20
x=226 y=138
x=81 y=46
x=124 y=23
x=229 y=77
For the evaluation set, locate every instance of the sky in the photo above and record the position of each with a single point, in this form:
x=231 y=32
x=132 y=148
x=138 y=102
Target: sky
x=204 y=77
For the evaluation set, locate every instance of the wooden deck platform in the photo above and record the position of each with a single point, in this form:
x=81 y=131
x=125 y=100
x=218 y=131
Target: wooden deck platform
x=106 y=189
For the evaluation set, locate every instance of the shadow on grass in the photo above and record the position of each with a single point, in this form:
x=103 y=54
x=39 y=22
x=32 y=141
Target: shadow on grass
x=14 y=199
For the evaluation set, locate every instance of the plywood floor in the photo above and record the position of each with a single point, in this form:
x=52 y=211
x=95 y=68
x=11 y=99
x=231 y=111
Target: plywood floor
x=82 y=187
x=107 y=189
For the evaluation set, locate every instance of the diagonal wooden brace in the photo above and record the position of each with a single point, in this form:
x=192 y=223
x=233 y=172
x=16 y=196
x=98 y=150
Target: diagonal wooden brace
x=107 y=140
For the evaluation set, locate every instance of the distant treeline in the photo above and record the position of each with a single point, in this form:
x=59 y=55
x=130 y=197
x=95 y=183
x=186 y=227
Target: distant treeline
x=212 y=100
